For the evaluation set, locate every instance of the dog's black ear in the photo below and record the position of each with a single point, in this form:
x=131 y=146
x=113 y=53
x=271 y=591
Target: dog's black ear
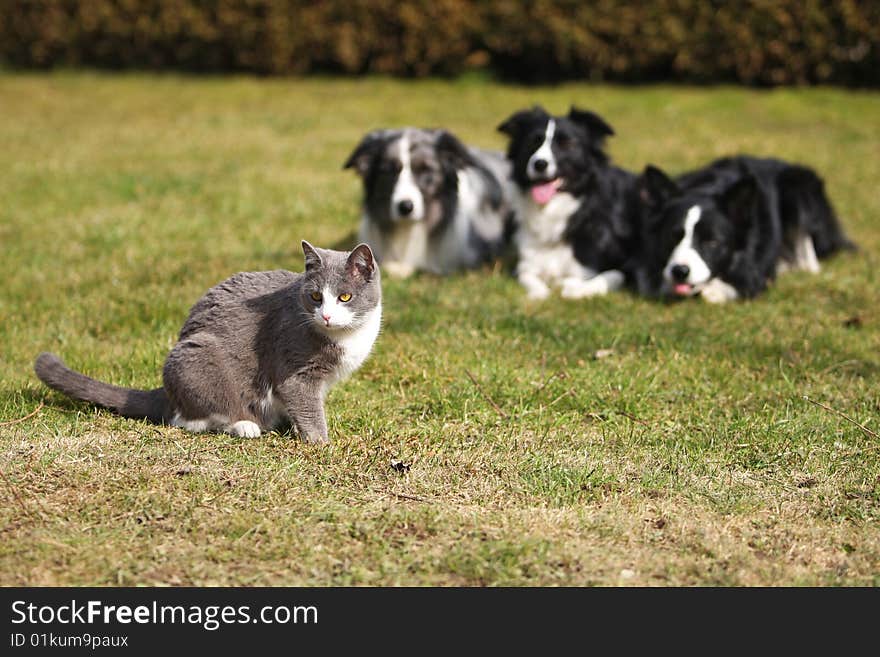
x=739 y=200
x=517 y=121
x=453 y=154
x=362 y=156
x=655 y=187
x=595 y=124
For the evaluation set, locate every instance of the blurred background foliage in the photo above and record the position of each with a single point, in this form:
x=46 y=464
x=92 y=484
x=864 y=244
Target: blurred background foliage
x=755 y=42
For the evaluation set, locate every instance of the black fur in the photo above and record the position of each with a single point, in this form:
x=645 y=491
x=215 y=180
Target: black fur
x=752 y=211
x=603 y=231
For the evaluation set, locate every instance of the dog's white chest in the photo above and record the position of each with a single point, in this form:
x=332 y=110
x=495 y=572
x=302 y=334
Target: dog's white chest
x=543 y=253
x=545 y=224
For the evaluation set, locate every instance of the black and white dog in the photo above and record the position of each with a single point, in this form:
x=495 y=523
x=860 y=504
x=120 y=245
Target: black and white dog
x=726 y=230
x=577 y=214
x=430 y=202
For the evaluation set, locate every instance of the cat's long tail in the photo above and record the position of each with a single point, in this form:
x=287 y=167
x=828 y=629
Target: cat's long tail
x=138 y=404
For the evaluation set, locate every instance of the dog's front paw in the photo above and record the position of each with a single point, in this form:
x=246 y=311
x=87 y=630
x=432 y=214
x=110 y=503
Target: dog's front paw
x=577 y=288
x=717 y=291
x=398 y=269
x=537 y=292
x=535 y=287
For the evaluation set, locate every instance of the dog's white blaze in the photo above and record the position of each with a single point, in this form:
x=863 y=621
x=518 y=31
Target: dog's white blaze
x=545 y=152
x=685 y=254
x=405 y=189
x=339 y=315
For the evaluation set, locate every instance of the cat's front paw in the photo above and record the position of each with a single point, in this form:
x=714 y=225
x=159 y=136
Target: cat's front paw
x=244 y=429
x=315 y=439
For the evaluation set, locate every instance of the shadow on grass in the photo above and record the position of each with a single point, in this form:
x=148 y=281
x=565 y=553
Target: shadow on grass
x=20 y=400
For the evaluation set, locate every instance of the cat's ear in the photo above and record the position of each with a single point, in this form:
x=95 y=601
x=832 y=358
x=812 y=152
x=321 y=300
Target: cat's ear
x=361 y=158
x=361 y=262
x=313 y=260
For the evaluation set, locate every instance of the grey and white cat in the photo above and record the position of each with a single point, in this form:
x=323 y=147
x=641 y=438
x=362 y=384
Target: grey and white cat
x=259 y=351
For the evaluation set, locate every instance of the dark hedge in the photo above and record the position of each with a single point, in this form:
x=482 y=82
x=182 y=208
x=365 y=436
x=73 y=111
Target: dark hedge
x=762 y=42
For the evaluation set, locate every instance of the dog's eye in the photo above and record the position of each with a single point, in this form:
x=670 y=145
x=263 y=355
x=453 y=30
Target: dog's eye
x=563 y=141
x=345 y=297
x=316 y=297
x=711 y=244
x=391 y=166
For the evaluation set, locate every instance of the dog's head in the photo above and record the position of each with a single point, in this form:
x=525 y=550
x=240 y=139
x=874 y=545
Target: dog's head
x=690 y=236
x=553 y=153
x=409 y=174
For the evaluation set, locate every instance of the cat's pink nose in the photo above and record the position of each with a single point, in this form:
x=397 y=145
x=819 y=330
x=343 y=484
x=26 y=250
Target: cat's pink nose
x=326 y=317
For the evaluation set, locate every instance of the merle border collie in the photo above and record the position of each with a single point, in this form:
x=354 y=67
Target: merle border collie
x=430 y=203
x=577 y=214
x=726 y=230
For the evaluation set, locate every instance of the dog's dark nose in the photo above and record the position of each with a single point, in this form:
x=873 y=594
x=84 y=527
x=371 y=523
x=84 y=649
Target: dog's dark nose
x=540 y=165
x=405 y=207
x=680 y=272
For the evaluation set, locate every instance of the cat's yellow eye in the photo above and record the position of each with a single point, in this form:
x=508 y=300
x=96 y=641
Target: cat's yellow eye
x=345 y=297
x=317 y=296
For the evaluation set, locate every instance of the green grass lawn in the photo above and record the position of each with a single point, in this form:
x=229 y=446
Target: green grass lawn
x=689 y=456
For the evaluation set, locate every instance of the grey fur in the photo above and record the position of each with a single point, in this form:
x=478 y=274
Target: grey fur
x=462 y=227
x=254 y=338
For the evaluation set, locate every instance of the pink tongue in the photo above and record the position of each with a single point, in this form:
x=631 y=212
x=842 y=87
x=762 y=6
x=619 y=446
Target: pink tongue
x=543 y=193
x=682 y=288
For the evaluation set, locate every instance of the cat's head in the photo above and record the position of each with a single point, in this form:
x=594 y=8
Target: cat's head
x=340 y=288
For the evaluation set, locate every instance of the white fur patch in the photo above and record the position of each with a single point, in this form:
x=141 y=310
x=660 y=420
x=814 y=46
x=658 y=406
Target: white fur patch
x=356 y=345
x=685 y=255
x=244 y=429
x=602 y=283
x=717 y=291
x=332 y=313
x=544 y=258
x=805 y=254
x=405 y=189
x=544 y=152
x=405 y=249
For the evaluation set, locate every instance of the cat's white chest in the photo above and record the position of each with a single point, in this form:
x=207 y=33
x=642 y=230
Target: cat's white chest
x=355 y=346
